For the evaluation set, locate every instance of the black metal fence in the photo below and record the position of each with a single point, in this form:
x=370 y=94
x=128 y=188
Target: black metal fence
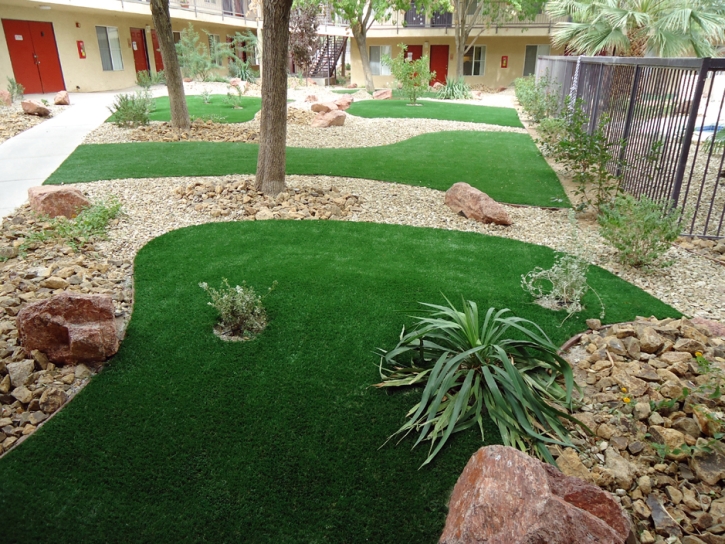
x=663 y=117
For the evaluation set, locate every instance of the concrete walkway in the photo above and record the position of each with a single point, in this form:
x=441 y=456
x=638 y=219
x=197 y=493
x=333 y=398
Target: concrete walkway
x=30 y=157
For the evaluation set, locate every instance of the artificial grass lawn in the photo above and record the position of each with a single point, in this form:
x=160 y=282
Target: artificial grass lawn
x=184 y=437
x=217 y=107
x=506 y=166
x=445 y=111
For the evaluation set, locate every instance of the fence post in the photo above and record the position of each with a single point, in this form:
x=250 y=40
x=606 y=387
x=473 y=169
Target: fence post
x=689 y=131
x=594 y=114
x=628 y=119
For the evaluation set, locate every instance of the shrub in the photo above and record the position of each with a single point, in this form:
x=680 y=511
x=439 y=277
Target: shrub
x=145 y=80
x=589 y=157
x=132 y=110
x=455 y=89
x=234 y=97
x=641 y=230
x=551 y=130
x=90 y=224
x=15 y=89
x=413 y=76
x=240 y=309
x=539 y=98
x=505 y=367
x=206 y=96
x=243 y=70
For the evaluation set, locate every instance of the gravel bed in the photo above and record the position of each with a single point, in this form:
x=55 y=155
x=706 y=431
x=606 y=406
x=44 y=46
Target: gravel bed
x=13 y=120
x=693 y=284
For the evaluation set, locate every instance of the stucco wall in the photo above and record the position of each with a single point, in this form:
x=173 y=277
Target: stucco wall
x=87 y=75
x=494 y=75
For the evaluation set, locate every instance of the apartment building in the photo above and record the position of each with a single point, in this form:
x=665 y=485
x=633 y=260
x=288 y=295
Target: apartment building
x=500 y=52
x=100 y=45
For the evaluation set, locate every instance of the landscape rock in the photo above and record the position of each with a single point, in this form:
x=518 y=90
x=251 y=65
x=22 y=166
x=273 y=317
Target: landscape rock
x=20 y=372
x=333 y=118
x=664 y=523
x=383 y=94
x=344 y=102
x=6 y=99
x=62 y=99
x=505 y=496
x=23 y=394
x=323 y=107
x=70 y=328
x=33 y=107
x=56 y=200
x=709 y=466
x=52 y=399
x=476 y=205
x=311 y=98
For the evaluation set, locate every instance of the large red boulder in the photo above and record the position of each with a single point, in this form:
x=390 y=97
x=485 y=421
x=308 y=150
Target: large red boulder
x=476 y=205
x=33 y=107
x=335 y=118
x=504 y=496
x=383 y=94
x=62 y=99
x=344 y=102
x=323 y=107
x=55 y=200
x=70 y=328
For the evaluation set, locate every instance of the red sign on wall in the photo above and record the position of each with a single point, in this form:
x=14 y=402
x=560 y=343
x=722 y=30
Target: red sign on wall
x=505 y=61
x=81 y=49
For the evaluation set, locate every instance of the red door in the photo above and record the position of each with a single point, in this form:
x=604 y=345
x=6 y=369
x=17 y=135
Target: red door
x=157 y=52
x=415 y=50
x=140 y=52
x=34 y=55
x=439 y=63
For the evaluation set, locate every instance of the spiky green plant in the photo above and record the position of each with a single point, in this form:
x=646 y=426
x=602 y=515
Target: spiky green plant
x=505 y=367
x=455 y=89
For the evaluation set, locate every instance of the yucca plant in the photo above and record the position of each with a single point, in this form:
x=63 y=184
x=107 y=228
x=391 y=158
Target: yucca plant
x=505 y=367
x=455 y=89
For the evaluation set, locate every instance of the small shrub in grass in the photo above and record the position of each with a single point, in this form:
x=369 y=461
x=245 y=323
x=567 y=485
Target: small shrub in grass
x=641 y=230
x=206 y=96
x=89 y=225
x=455 y=89
x=413 y=76
x=234 y=97
x=241 y=314
x=132 y=110
x=503 y=366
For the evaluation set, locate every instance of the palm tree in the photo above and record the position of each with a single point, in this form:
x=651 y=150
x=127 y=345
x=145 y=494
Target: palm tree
x=638 y=28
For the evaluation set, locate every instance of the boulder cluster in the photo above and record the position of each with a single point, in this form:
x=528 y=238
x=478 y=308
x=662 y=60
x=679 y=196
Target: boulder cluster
x=652 y=399
x=238 y=199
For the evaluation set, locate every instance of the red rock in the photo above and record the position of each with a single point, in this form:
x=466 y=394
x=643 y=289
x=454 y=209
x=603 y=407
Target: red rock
x=351 y=86
x=311 y=98
x=70 y=328
x=438 y=85
x=329 y=119
x=5 y=97
x=474 y=204
x=383 y=94
x=188 y=80
x=62 y=99
x=323 y=107
x=716 y=328
x=344 y=102
x=55 y=200
x=33 y=107
x=310 y=82
x=504 y=496
x=236 y=82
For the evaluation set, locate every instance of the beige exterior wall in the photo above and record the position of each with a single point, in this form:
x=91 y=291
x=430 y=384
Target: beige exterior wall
x=514 y=47
x=87 y=75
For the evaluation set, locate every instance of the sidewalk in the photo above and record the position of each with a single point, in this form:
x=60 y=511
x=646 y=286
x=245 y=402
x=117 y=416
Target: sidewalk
x=30 y=157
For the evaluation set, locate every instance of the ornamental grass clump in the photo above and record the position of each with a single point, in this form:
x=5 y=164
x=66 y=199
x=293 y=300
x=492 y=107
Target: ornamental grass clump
x=505 y=367
x=241 y=314
x=455 y=89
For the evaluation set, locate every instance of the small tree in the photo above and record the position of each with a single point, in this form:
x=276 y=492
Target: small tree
x=413 y=75
x=303 y=37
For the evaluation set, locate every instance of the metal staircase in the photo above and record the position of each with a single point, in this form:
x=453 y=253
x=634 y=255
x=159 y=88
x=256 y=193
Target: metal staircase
x=324 y=64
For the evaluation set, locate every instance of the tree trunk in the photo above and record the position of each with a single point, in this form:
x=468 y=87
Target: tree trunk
x=460 y=53
x=271 y=161
x=342 y=64
x=174 y=80
x=361 y=39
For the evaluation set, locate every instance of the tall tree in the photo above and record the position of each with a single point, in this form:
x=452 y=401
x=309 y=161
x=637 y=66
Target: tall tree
x=638 y=28
x=303 y=38
x=271 y=161
x=361 y=14
x=470 y=14
x=174 y=80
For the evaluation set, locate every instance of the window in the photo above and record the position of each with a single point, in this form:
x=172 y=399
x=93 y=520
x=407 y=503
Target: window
x=377 y=52
x=532 y=53
x=214 y=49
x=474 y=62
x=110 y=46
x=177 y=37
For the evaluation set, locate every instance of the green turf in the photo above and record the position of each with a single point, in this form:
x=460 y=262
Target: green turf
x=507 y=166
x=217 y=109
x=185 y=438
x=347 y=91
x=445 y=111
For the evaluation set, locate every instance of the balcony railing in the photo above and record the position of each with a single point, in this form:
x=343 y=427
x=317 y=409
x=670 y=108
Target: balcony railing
x=413 y=19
